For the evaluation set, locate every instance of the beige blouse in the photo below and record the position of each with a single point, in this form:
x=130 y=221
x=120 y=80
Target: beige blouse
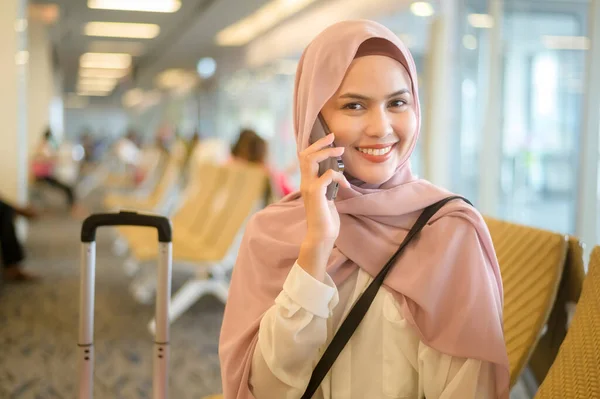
x=384 y=358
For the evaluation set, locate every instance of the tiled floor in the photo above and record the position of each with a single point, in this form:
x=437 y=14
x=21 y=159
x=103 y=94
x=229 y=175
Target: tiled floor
x=38 y=328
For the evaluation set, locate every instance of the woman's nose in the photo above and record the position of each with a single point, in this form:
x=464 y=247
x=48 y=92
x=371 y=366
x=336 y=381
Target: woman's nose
x=379 y=124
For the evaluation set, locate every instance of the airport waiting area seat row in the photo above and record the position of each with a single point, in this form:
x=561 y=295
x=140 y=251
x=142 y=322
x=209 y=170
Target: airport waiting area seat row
x=208 y=212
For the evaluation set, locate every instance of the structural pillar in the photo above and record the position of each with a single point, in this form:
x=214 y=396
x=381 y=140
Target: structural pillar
x=14 y=59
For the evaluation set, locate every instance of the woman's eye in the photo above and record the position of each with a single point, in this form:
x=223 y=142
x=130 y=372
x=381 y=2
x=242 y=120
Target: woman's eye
x=353 y=106
x=398 y=103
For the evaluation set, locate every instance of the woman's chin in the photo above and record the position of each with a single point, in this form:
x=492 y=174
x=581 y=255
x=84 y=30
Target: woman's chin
x=372 y=173
x=373 y=179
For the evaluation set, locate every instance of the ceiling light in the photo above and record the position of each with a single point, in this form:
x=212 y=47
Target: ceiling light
x=484 y=21
x=82 y=92
x=566 y=42
x=92 y=88
x=206 y=67
x=260 y=21
x=121 y=29
x=133 y=98
x=105 y=60
x=101 y=84
x=470 y=42
x=137 y=98
x=98 y=86
x=421 y=9
x=136 y=5
x=173 y=78
x=291 y=36
x=104 y=46
x=102 y=73
x=91 y=93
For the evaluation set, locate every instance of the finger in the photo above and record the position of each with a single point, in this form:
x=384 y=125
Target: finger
x=329 y=177
x=320 y=144
x=309 y=165
x=341 y=179
x=324 y=154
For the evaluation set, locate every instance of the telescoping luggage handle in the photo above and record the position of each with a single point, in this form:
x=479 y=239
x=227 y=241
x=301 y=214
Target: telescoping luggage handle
x=160 y=356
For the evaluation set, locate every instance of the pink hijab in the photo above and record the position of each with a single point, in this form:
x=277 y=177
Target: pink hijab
x=447 y=282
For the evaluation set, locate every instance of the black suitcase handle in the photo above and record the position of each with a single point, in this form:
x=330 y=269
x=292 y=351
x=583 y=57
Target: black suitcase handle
x=126 y=218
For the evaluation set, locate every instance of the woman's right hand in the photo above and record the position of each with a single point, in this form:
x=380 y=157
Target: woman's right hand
x=322 y=218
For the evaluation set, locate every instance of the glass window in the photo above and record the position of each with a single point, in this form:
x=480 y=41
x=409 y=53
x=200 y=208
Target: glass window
x=473 y=66
x=542 y=114
x=542 y=88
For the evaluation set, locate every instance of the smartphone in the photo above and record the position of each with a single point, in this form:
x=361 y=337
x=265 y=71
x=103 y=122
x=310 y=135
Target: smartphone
x=319 y=131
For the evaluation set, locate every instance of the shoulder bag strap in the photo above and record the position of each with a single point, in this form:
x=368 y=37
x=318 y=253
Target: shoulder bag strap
x=361 y=306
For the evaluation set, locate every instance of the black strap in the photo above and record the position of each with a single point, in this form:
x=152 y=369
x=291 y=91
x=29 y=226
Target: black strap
x=363 y=303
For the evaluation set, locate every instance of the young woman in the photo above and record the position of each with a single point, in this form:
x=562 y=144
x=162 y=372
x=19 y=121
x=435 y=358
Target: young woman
x=44 y=161
x=434 y=329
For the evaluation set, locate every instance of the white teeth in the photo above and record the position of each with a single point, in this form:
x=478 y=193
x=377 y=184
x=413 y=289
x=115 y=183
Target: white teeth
x=373 y=151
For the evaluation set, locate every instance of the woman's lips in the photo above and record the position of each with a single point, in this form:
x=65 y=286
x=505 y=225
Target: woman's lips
x=377 y=153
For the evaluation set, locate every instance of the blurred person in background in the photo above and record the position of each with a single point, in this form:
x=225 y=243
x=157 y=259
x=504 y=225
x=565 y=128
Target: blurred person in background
x=91 y=153
x=11 y=249
x=134 y=137
x=86 y=140
x=127 y=150
x=191 y=145
x=165 y=137
x=191 y=148
x=241 y=148
x=250 y=147
x=434 y=328
x=45 y=159
x=163 y=140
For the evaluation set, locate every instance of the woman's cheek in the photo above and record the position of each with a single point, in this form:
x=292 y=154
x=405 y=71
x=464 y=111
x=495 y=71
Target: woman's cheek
x=407 y=124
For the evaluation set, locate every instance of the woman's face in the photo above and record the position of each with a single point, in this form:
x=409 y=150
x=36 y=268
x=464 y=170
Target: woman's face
x=373 y=116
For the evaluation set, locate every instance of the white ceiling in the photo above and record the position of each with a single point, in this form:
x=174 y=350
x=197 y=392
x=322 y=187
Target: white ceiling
x=188 y=34
x=185 y=36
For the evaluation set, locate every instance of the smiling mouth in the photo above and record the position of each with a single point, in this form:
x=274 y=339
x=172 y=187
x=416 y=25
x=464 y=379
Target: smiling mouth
x=376 y=154
x=376 y=151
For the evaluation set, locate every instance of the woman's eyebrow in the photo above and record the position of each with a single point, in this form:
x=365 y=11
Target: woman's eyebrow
x=365 y=98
